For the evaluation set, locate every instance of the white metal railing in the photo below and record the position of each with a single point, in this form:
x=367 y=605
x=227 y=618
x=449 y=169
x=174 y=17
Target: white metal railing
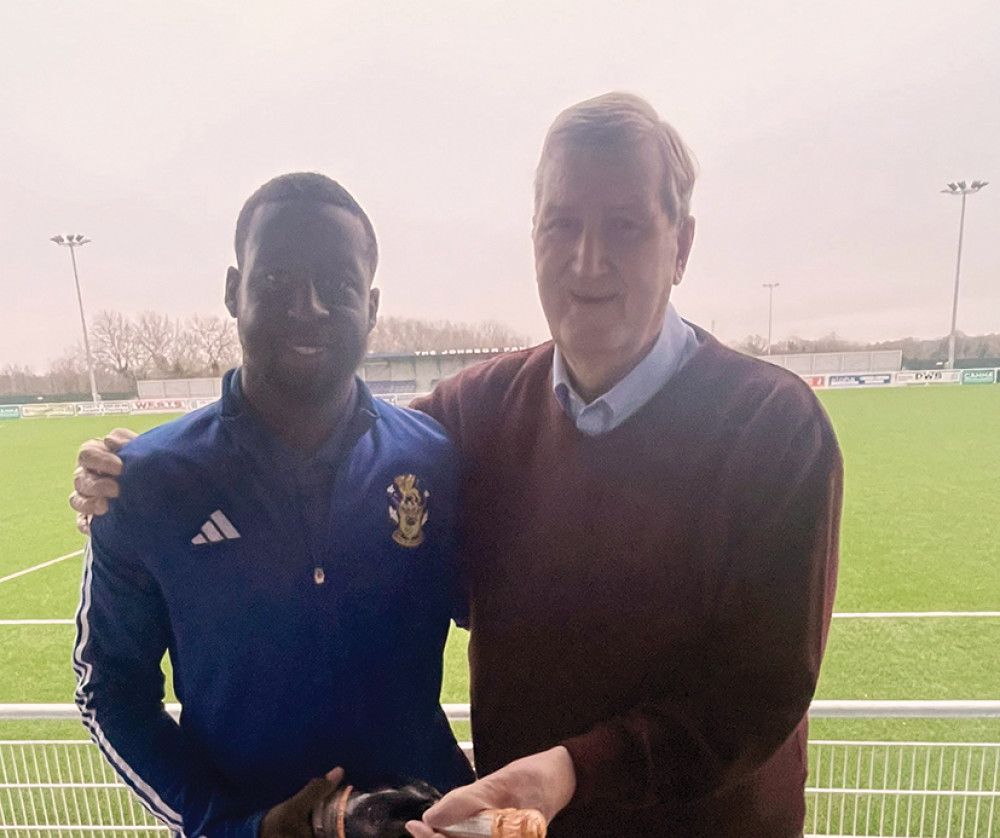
x=819 y=709
x=61 y=788
x=904 y=788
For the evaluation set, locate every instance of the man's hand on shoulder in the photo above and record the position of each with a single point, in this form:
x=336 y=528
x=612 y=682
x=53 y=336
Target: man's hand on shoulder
x=293 y=818
x=545 y=781
x=95 y=480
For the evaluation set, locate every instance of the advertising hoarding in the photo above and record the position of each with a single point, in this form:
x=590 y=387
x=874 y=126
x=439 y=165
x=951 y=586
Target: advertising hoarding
x=868 y=379
x=159 y=406
x=58 y=409
x=196 y=403
x=979 y=376
x=929 y=377
x=102 y=408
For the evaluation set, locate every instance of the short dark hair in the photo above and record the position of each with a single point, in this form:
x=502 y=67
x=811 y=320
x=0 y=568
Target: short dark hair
x=307 y=187
x=616 y=118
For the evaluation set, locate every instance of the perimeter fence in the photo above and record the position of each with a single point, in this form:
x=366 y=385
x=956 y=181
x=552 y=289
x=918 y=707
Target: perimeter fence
x=59 y=788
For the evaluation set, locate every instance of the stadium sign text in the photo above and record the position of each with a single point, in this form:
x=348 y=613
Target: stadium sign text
x=979 y=376
x=63 y=409
x=159 y=405
x=872 y=379
x=929 y=377
x=102 y=408
x=9 y=411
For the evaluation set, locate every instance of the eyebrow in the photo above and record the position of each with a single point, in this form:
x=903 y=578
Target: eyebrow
x=637 y=204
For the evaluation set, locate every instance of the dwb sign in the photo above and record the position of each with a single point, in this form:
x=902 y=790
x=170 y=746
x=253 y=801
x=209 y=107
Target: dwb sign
x=929 y=377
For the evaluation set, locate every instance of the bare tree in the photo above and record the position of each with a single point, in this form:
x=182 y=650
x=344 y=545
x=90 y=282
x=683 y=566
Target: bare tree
x=407 y=334
x=126 y=349
x=116 y=346
x=752 y=345
x=212 y=344
x=68 y=374
x=18 y=381
x=159 y=336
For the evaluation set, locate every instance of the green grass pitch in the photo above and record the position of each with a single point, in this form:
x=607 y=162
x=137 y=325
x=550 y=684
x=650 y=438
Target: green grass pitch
x=921 y=532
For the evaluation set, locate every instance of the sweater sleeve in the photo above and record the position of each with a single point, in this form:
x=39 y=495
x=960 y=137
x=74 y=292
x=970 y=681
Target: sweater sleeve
x=123 y=632
x=441 y=406
x=759 y=666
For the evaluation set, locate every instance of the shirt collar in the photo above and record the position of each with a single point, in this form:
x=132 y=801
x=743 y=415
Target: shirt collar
x=261 y=442
x=676 y=343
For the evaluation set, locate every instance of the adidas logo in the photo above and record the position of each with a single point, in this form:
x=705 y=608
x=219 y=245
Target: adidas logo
x=217 y=528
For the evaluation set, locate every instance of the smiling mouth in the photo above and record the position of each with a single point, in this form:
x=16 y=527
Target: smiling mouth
x=592 y=299
x=307 y=350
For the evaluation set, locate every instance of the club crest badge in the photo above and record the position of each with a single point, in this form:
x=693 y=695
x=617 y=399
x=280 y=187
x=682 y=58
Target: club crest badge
x=408 y=509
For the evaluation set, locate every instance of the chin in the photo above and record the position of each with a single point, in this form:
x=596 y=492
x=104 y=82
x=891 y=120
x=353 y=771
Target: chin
x=309 y=386
x=591 y=343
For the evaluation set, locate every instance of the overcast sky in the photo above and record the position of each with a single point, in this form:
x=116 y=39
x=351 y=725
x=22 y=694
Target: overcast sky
x=823 y=131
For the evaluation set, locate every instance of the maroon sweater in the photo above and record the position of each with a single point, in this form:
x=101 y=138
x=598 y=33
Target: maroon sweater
x=656 y=598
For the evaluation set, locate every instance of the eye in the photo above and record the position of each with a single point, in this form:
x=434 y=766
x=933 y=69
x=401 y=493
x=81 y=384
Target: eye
x=560 y=224
x=275 y=280
x=339 y=287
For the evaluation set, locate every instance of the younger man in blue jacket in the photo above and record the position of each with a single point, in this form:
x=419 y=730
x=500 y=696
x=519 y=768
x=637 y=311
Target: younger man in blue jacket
x=290 y=546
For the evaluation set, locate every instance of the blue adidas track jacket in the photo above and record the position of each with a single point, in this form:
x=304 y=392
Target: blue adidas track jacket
x=302 y=634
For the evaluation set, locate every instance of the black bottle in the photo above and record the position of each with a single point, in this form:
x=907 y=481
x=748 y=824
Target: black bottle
x=379 y=812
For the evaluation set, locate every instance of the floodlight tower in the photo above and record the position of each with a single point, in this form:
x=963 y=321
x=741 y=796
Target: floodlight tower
x=770 y=286
x=73 y=241
x=962 y=189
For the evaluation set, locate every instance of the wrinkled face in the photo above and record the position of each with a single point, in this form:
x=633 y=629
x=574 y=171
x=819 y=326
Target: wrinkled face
x=302 y=298
x=606 y=253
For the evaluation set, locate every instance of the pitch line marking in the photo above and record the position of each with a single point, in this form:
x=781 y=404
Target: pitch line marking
x=40 y=566
x=26 y=622
x=841 y=615
x=875 y=615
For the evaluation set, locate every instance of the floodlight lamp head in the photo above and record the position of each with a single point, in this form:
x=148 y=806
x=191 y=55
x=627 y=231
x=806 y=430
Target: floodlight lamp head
x=57 y=239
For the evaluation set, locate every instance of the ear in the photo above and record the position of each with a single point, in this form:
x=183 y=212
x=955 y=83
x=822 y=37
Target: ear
x=373 y=298
x=232 y=290
x=685 y=238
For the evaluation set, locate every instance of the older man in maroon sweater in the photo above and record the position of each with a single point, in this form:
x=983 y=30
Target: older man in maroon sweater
x=650 y=526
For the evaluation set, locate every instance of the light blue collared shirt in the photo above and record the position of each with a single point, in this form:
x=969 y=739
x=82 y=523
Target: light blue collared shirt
x=673 y=348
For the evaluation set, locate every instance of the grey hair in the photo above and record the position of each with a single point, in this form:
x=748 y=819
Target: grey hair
x=616 y=119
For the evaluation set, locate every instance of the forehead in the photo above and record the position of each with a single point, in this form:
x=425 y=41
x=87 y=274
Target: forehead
x=291 y=233
x=623 y=174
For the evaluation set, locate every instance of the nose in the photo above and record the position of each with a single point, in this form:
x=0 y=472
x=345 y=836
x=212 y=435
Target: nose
x=590 y=257
x=306 y=303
